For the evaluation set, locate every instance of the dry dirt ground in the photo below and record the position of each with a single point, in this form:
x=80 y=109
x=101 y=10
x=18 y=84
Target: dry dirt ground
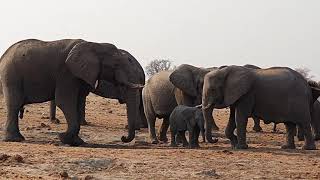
x=42 y=156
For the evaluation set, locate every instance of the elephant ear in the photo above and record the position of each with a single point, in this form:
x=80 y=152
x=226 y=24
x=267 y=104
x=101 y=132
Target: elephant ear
x=84 y=63
x=183 y=79
x=238 y=82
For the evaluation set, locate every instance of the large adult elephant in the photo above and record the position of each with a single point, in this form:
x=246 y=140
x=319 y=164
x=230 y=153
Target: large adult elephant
x=114 y=91
x=275 y=95
x=166 y=89
x=34 y=71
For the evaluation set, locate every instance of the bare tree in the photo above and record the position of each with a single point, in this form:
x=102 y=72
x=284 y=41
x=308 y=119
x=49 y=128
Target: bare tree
x=158 y=65
x=305 y=72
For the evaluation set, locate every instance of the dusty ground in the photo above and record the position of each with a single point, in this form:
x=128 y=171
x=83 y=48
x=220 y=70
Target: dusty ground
x=42 y=156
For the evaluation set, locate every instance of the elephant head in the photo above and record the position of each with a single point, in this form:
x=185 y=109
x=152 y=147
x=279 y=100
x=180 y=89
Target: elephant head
x=189 y=79
x=223 y=88
x=103 y=61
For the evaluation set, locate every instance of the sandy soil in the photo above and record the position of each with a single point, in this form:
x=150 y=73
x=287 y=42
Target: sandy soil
x=42 y=156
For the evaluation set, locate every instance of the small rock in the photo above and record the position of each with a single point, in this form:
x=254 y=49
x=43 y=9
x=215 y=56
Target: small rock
x=110 y=111
x=28 y=128
x=18 y=158
x=227 y=152
x=210 y=173
x=88 y=177
x=4 y=157
x=64 y=174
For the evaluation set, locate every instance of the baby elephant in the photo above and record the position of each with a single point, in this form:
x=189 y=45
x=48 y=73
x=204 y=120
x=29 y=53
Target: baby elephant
x=185 y=118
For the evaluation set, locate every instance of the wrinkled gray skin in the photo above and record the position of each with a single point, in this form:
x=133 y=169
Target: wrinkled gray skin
x=185 y=118
x=109 y=90
x=188 y=81
x=262 y=93
x=158 y=102
x=34 y=71
x=160 y=96
x=315 y=118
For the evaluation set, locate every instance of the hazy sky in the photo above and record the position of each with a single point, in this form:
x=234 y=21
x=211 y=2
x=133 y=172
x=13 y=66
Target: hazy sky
x=203 y=33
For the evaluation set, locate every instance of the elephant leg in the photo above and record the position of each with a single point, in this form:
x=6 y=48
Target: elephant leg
x=241 y=123
x=203 y=135
x=196 y=133
x=309 y=143
x=274 y=129
x=144 y=122
x=151 y=126
x=14 y=103
x=52 y=113
x=291 y=131
x=163 y=130
x=300 y=133
x=191 y=138
x=256 y=127
x=173 y=137
x=182 y=135
x=231 y=126
x=82 y=110
x=67 y=100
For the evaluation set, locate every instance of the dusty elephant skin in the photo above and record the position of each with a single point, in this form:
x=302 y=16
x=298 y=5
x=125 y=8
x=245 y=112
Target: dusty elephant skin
x=261 y=93
x=110 y=90
x=185 y=118
x=34 y=71
x=166 y=89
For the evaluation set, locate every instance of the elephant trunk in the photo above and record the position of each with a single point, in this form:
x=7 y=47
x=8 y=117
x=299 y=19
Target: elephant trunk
x=207 y=108
x=133 y=103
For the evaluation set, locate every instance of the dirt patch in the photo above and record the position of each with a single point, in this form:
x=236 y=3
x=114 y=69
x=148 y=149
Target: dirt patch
x=42 y=156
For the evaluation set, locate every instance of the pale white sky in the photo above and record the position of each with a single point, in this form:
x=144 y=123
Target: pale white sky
x=203 y=33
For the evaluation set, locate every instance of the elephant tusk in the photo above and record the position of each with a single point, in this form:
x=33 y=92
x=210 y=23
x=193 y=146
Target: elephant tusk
x=135 y=86
x=96 y=84
x=207 y=106
x=199 y=106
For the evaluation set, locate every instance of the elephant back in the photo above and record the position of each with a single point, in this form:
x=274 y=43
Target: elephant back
x=160 y=92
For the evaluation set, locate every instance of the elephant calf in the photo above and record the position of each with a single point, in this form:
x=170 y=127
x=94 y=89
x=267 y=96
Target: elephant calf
x=185 y=118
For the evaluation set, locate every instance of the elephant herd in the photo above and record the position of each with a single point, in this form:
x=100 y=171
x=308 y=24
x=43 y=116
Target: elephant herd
x=66 y=71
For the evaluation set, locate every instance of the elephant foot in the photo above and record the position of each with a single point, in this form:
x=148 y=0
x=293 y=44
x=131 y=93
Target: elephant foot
x=163 y=139
x=55 y=121
x=309 y=147
x=185 y=144
x=317 y=137
x=241 y=146
x=179 y=140
x=154 y=141
x=193 y=146
x=212 y=140
x=173 y=144
x=72 y=140
x=288 y=146
x=13 y=137
x=257 y=128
